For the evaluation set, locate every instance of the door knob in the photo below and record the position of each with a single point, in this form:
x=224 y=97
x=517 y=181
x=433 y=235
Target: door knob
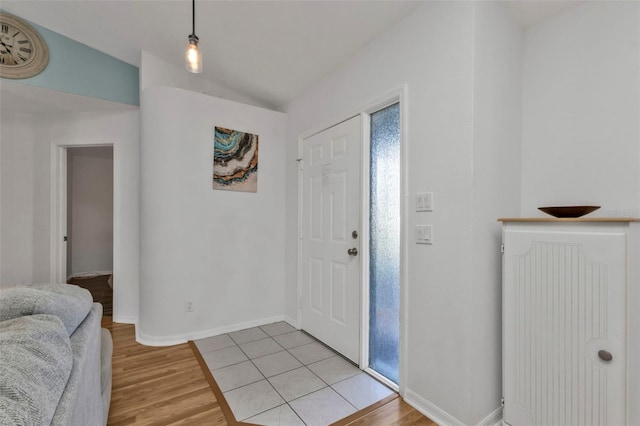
x=352 y=251
x=605 y=355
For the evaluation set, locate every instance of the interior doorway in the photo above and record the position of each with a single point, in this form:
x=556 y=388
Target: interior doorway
x=89 y=257
x=82 y=225
x=89 y=211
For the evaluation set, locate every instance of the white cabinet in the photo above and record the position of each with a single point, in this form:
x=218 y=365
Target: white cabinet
x=570 y=322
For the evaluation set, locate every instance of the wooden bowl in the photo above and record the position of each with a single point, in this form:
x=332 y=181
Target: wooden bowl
x=568 y=211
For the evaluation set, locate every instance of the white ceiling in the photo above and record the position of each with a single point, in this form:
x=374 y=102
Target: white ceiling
x=269 y=50
x=530 y=13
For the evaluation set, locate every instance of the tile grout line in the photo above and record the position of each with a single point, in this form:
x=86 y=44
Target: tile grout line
x=218 y=394
x=303 y=365
x=312 y=372
x=307 y=367
x=230 y=365
x=265 y=377
x=283 y=398
x=261 y=373
x=323 y=381
x=330 y=386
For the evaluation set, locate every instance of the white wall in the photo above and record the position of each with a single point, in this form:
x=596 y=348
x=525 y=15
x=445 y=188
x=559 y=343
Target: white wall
x=90 y=210
x=17 y=144
x=26 y=193
x=496 y=179
x=156 y=72
x=222 y=250
x=581 y=107
x=463 y=122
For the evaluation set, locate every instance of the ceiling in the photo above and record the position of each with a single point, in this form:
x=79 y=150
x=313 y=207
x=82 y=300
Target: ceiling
x=270 y=51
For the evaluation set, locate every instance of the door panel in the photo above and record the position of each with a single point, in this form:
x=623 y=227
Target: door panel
x=338 y=208
x=339 y=287
x=331 y=196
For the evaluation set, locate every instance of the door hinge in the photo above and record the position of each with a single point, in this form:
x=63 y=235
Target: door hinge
x=301 y=234
x=502 y=402
x=65 y=238
x=501 y=248
x=300 y=163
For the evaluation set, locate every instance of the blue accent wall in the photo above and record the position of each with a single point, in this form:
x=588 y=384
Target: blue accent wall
x=77 y=68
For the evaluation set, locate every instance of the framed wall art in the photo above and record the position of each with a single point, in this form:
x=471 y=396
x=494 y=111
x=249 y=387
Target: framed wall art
x=235 y=160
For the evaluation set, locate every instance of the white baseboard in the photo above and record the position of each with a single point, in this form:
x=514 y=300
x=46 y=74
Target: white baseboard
x=185 y=337
x=291 y=321
x=90 y=274
x=430 y=410
x=147 y=340
x=493 y=419
x=125 y=320
x=441 y=417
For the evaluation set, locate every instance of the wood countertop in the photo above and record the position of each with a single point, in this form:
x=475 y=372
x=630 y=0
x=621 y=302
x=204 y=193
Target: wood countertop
x=569 y=219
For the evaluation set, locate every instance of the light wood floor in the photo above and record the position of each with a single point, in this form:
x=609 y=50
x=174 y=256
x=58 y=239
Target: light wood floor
x=166 y=386
x=396 y=412
x=158 y=385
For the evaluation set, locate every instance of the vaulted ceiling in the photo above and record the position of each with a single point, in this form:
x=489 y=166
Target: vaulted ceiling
x=268 y=50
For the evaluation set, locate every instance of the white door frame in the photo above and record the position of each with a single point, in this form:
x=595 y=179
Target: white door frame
x=58 y=221
x=398 y=95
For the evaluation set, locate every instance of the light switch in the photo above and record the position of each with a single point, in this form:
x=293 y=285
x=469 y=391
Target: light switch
x=424 y=202
x=424 y=234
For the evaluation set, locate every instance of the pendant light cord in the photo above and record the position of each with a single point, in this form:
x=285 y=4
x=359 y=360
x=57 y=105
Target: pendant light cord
x=193 y=16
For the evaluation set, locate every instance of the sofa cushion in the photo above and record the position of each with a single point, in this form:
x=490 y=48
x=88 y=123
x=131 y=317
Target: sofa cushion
x=68 y=302
x=35 y=365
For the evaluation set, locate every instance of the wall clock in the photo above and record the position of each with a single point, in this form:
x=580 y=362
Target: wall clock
x=23 y=51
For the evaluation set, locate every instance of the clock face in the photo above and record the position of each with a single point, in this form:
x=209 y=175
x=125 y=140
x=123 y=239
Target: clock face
x=23 y=52
x=15 y=47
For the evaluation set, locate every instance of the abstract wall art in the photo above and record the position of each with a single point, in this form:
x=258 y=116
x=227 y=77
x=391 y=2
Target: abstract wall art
x=235 y=160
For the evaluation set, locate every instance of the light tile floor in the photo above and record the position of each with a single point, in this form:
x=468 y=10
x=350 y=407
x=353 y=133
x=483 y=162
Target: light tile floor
x=275 y=375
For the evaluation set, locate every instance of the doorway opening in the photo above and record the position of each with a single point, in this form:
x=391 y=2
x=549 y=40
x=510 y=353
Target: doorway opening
x=89 y=251
x=90 y=242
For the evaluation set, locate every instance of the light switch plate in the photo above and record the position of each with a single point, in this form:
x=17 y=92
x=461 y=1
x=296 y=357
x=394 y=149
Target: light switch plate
x=424 y=202
x=424 y=234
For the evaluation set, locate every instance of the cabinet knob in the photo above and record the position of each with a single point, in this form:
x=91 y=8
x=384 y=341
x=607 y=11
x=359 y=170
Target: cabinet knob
x=605 y=355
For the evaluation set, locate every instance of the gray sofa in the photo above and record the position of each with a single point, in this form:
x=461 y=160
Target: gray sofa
x=55 y=359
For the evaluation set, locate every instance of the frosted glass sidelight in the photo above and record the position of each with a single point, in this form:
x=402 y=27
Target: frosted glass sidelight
x=384 y=245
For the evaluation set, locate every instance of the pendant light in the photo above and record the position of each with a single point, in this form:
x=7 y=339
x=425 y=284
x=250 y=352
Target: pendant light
x=193 y=56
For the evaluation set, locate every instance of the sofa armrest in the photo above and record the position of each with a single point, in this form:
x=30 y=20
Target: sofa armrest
x=81 y=403
x=106 y=354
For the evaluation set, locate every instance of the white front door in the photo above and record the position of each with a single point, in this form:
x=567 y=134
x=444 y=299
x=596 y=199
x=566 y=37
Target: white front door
x=330 y=263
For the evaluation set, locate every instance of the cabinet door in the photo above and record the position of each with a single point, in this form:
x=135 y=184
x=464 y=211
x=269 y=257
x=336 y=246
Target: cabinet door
x=563 y=302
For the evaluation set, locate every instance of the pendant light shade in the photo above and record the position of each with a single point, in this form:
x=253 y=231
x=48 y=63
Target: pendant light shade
x=193 y=57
